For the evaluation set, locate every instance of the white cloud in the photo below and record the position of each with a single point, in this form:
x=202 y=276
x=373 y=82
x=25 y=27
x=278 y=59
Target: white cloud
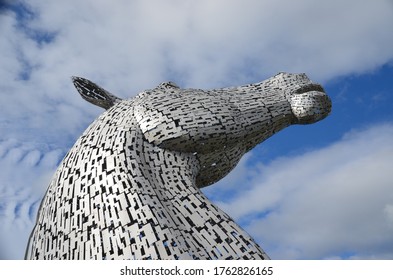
x=25 y=170
x=128 y=46
x=137 y=43
x=336 y=201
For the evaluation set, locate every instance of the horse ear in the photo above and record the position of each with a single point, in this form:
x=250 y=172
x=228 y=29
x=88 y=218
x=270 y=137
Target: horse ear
x=94 y=94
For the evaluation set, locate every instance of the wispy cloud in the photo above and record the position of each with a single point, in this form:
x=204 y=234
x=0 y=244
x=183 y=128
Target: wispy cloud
x=324 y=202
x=25 y=172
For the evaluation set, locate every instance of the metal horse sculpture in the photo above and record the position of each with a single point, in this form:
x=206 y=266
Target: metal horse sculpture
x=130 y=186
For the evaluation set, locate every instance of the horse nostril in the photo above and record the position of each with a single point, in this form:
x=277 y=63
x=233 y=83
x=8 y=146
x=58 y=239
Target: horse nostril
x=309 y=87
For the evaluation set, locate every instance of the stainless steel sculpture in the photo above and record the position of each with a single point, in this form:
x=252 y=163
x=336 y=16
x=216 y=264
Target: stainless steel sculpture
x=130 y=186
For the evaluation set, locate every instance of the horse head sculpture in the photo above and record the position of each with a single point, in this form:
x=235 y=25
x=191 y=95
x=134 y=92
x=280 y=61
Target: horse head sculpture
x=130 y=186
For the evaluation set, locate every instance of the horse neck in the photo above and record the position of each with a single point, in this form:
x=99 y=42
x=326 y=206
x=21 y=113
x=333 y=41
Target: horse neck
x=114 y=146
x=162 y=172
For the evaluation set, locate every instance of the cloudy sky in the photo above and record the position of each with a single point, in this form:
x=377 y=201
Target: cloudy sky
x=322 y=191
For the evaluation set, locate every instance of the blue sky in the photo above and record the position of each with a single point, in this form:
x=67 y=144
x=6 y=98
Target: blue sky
x=321 y=191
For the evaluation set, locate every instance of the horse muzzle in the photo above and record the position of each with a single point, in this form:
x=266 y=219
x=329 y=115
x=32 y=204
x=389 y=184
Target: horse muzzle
x=310 y=104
